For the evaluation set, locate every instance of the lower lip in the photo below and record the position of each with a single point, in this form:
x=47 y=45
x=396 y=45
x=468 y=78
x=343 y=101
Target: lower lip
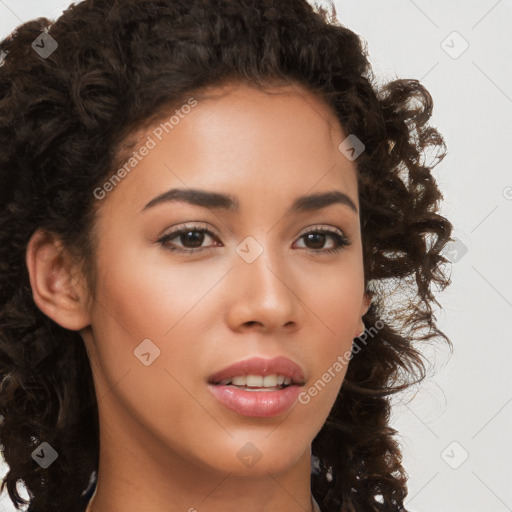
x=263 y=404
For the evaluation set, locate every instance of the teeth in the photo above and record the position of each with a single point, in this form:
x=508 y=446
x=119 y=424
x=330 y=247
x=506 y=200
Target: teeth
x=258 y=381
x=267 y=381
x=239 y=381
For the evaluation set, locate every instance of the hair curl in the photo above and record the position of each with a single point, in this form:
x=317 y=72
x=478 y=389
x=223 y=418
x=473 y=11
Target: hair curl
x=64 y=125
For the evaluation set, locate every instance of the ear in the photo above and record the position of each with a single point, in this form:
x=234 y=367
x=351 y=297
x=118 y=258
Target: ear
x=365 y=305
x=57 y=285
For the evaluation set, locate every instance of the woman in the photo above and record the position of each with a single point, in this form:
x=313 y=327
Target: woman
x=202 y=206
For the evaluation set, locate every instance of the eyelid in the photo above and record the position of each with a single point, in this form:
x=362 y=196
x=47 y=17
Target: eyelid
x=321 y=227
x=190 y=226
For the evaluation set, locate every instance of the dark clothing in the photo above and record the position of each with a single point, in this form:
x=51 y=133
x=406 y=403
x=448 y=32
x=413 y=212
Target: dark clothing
x=87 y=494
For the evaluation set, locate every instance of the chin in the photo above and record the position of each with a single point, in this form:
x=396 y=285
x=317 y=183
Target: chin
x=256 y=458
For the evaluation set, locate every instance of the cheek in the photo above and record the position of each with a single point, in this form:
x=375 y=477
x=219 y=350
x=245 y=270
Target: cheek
x=148 y=297
x=335 y=315
x=137 y=302
x=329 y=363
x=141 y=300
x=333 y=301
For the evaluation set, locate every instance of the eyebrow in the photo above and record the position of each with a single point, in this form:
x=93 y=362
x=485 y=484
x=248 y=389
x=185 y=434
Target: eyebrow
x=215 y=200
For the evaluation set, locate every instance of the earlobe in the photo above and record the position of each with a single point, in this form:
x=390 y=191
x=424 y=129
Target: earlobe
x=56 y=285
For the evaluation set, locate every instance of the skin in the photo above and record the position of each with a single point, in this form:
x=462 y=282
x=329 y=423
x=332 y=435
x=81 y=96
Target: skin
x=165 y=442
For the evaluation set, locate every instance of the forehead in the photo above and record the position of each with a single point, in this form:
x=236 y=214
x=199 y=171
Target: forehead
x=265 y=111
x=240 y=138
x=236 y=111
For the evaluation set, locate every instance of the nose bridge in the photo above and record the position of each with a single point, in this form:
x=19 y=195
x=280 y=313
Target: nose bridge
x=261 y=265
x=262 y=291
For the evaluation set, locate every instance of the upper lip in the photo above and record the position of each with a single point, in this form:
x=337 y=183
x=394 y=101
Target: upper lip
x=261 y=366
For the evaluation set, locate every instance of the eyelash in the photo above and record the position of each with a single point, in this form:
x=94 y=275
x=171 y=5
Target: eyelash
x=341 y=240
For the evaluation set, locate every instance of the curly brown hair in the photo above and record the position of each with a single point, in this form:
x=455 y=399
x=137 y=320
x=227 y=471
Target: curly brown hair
x=119 y=64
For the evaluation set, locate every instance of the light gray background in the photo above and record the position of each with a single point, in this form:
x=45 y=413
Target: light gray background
x=465 y=410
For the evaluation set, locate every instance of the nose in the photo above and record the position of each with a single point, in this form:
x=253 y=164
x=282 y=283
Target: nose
x=262 y=295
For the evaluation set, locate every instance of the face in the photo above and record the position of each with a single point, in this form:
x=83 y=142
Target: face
x=189 y=285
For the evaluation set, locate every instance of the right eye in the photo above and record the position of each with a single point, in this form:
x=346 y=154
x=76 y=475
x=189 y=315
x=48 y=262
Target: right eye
x=192 y=235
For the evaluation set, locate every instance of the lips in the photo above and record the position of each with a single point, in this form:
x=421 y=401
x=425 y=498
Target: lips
x=261 y=366
x=258 y=401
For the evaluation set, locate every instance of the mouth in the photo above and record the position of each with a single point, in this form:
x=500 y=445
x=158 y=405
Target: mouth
x=260 y=373
x=257 y=386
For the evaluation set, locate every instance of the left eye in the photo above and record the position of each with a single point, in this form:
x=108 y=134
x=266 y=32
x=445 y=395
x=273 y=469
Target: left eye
x=318 y=237
x=193 y=237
